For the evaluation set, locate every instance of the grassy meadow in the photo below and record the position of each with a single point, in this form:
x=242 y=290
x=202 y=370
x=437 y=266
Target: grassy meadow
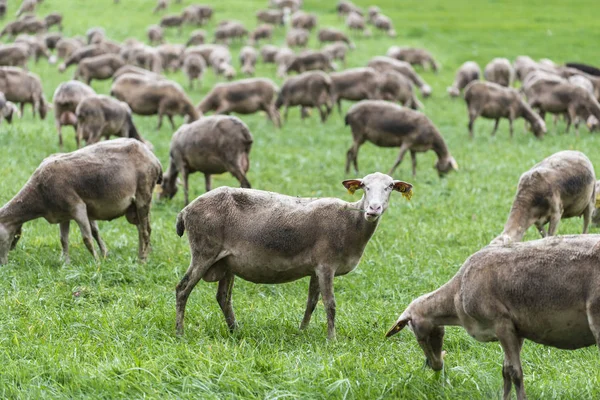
x=106 y=329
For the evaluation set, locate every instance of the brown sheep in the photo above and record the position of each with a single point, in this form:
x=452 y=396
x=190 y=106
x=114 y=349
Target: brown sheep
x=67 y=97
x=356 y=23
x=212 y=145
x=499 y=71
x=414 y=56
x=161 y=5
x=336 y=51
x=248 y=57
x=95 y=35
x=467 y=73
x=387 y=63
x=147 y=96
x=245 y=96
x=65 y=47
x=171 y=56
x=196 y=37
x=23 y=87
x=193 y=67
x=27 y=6
x=396 y=87
x=268 y=53
x=309 y=89
x=51 y=39
x=355 y=84
x=172 y=21
x=283 y=58
x=345 y=7
x=303 y=20
x=37 y=47
x=14 y=55
x=261 y=32
x=384 y=23
x=230 y=30
x=155 y=34
x=99 y=67
x=334 y=35
x=297 y=37
x=310 y=61
x=54 y=19
x=389 y=125
x=81 y=53
x=274 y=17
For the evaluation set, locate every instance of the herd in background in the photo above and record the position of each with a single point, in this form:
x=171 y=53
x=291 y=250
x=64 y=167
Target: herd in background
x=251 y=233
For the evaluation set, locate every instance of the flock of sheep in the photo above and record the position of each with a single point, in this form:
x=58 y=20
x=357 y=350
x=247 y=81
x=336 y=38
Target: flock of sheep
x=508 y=291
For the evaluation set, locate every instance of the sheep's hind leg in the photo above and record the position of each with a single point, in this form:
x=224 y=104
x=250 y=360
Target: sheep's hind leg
x=593 y=316
x=64 y=241
x=495 y=126
x=512 y=371
x=311 y=302
x=224 y=299
x=80 y=216
x=403 y=150
x=587 y=216
x=96 y=235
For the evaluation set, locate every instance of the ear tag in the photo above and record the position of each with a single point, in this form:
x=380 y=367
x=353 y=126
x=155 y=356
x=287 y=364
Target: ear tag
x=408 y=194
x=353 y=188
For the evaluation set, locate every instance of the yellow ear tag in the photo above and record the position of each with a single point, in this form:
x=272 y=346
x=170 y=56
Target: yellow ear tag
x=353 y=188
x=598 y=201
x=408 y=194
x=158 y=189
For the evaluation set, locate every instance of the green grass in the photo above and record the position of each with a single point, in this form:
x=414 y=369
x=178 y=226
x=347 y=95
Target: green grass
x=106 y=329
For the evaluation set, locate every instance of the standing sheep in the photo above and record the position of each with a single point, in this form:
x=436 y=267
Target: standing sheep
x=248 y=57
x=309 y=89
x=499 y=71
x=155 y=34
x=467 y=73
x=334 y=35
x=100 y=67
x=414 y=56
x=23 y=87
x=387 y=63
x=193 y=67
x=67 y=97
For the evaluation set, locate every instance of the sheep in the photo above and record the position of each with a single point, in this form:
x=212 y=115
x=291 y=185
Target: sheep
x=389 y=125
x=196 y=37
x=266 y=237
x=356 y=22
x=387 y=63
x=245 y=96
x=396 y=87
x=220 y=61
x=172 y=21
x=560 y=186
x=27 y=6
x=23 y=87
x=14 y=55
x=309 y=89
x=65 y=47
x=493 y=101
x=212 y=145
x=334 y=35
x=303 y=20
x=95 y=35
x=291 y=5
x=132 y=69
x=230 y=30
x=467 y=73
x=543 y=290
x=67 y=97
x=373 y=12
x=97 y=183
x=12 y=28
x=268 y=53
x=264 y=31
x=100 y=67
x=274 y=17
x=336 y=51
x=205 y=50
x=81 y=53
x=144 y=56
x=193 y=67
x=161 y=5
x=248 y=57
x=197 y=14
x=37 y=47
x=384 y=23
x=414 y=56
x=54 y=19
x=309 y=61
x=147 y=96
x=345 y=7
x=355 y=84
x=102 y=116
x=51 y=39
x=297 y=37
x=2 y=8
x=155 y=34
x=8 y=109
x=171 y=56
x=283 y=58
x=523 y=65
x=499 y=71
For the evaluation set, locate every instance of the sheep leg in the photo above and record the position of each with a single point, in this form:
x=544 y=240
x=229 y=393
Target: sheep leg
x=311 y=302
x=64 y=241
x=285 y=113
x=554 y=220
x=352 y=156
x=510 y=126
x=96 y=235
x=568 y=123
x=273 y=115
x=240 y=176
x=512 y=371
x=144 y=230
x=339 y=104
x=80 y=216
x=325 y=277
x=224 y=299
x=184 y=177
x=60 y=137
x=413 y=157
x=322 y=113
x=495 y=126
x=541 y=229
x=587 y=216
x=472 y=117
x=160 y=118
x=207 y=182
x=22 y=106
x=403 y=150
x=172 y=122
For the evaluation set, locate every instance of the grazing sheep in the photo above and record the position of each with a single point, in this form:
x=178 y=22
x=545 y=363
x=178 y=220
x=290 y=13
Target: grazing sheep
x=264 y=31
x=291 y=5
x=97 y=183
x=384 y=23
x=197 y=37
x=283 y=58
x=245 y=96
x=100 y=67
x=193 y=67
x=205 y=50
x=37 y=47
x=147 y=96
x=65 y=47
x=356 y=22
x=54 y=19
x=309 y=89
x=171 y=56
x=27 y=6
x=310 y=61
x=274 y=17
x=355 y=84
x=336 y=51
x=334 y=35
x=544 y=290
x=172 y=21
x=32 y=26
x=266 y=237
x=396 y=87
x=102 y=116
x=230 y=30
x=144 y=56
x=560 y=186
x=414 y=56
x=304 y=20
x=51 y=39
x=67 y=97
x=212 y=145
x=493 y=101
x=523 y=65
x=467 y=73
x=197 y=14
x=14 y=55
x=220 y=61
x=161 y=5
x=81 y=53
x=268 y=53
x=389 y=125
x=499 y=71
x=297 y=37
x=155 y=34
x=95 y=35
x=387 y=63
x=345 y=7
x=12 y=28
x=132 y=69
x=23 y=87
x=373 y=12
x=248 y=57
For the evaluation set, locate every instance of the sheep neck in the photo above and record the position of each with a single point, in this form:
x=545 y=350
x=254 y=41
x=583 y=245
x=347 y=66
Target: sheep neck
x=439 y=306
x=25 y=206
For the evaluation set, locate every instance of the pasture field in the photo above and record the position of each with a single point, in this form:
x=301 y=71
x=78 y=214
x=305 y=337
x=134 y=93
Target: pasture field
x=106 y=329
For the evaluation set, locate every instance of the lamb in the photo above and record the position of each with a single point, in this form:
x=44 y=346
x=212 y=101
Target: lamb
x=389 y=125
x=100 y=67
x=14 y=55
x=97 y=183
x=193 y=67
x=387 y=63
x=172 y=21
x=248 y=57
x=264 y=31
x=155 y=34
x=334 y=35
x=147 y=96
x=304 y=20
x=467 y=73
x=336 y=51
x=285 y=239
x=355 y=84
x=543 y=290
x=560 y=186
x=310 y=61
x=274 y=17
x=54 y=19
x=197 y=37
x=297 y=37
x=414 y=56
x=23 y=87
x=499 y=71
x=384 y=23
x=212 y=145
x=309 y=89
x=245 y=96
x=67 y=97
x=493 y=101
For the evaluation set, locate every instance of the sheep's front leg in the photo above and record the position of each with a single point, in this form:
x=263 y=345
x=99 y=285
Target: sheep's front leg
x=351 y=157
x=96 y=235
x=64 y=240
x=403 y=150
x=311 y=302
x=80 y=216
x=207 y=182
x=413 y=157
x=224 y=299
x=587 y=216
x=554 y=220
x=541 y=229
x=495 y=126
x=512 y=371
x=325 y=278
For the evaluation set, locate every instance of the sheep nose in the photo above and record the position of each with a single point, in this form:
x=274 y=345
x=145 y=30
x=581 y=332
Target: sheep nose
x=375 y=208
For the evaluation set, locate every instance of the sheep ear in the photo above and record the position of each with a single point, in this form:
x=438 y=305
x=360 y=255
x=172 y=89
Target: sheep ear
x=352 y=185
x=404 y=188
x=454 y=164
x=398 y=326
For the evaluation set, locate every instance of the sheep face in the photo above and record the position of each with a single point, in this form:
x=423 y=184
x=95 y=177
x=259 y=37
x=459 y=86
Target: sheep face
x=9 y=236
x=377 y=188
x=444 y=166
